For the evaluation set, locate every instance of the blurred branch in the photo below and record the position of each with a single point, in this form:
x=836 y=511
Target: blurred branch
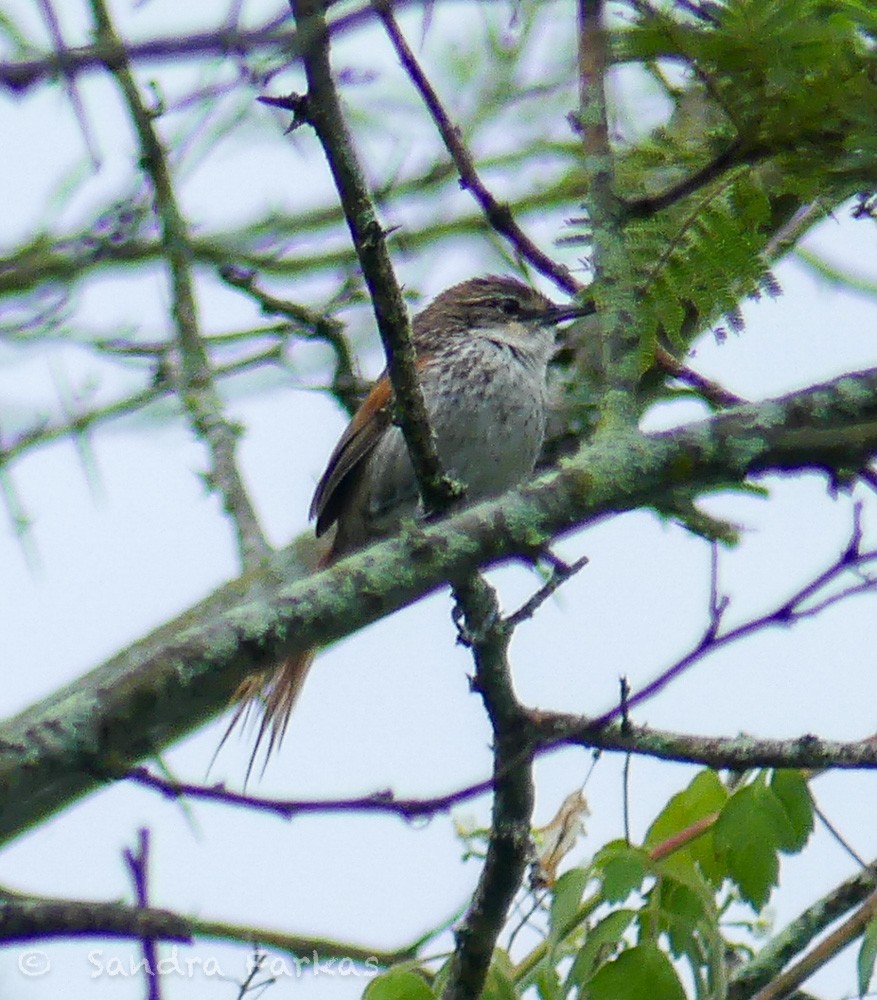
x=46 y=433
x=613 y=286
x=767 y=963
x=787 y=982
x=194 y=378
x=28 y=918
x=168 y=683
x=345 y=386
x=223 y=41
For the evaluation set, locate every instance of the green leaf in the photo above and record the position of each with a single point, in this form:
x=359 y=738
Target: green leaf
x=601 y=943
x=790 y=788
x=747 y=835
x=640 y=973
x=867 y=954
x=398 y=984
x=565 y=899
x=500 y=982
x=704 y=796
x=622 y=868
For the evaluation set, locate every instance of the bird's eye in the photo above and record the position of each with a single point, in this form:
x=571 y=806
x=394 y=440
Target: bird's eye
x=511 y=307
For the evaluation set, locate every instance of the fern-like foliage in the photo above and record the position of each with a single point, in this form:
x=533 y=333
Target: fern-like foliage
x=777 y=110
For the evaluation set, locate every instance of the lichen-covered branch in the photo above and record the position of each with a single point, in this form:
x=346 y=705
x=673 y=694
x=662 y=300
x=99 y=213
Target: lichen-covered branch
x=613 y=286
x=193 y=372
x=168 y=683
x=770 y=960
x=508 y=846
x=29 y=918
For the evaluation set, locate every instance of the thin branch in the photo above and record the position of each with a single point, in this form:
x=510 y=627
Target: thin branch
x=272 y=36
x=793 y=939
x=73 y=95
x=345 y=385
x=29 y=918
x=787 y=982
x=46 y=433
x=731 y=158
x=384 y=802
x=560 y=573
x=195 y=380
x=498 y=215
x=138 y=865
x=786 y=614
x=322 y=109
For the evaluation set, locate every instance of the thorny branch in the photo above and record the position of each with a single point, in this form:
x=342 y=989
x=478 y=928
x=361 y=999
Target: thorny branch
x=194 y=376
x=513 y=788
x=345 y=387
x=806 y=602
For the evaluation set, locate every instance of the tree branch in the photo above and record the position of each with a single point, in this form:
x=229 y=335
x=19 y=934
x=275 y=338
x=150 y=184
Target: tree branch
x=613 y=287
x=194 y=379
x=29 y=918
x=168 y=683
x=384 y=802
x=322 y=109
x=793 y=939
x=499 y=216
x=508 y=846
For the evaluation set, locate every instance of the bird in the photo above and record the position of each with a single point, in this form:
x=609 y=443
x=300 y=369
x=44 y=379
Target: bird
x=482 y=350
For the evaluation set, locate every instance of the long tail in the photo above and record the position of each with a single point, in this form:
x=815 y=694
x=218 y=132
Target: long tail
x=275 y=692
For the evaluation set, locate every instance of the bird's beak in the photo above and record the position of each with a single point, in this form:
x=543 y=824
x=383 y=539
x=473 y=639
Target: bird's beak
x=571 y=310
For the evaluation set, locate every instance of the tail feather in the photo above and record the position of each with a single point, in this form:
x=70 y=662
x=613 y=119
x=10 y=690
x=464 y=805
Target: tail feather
x=276 y=692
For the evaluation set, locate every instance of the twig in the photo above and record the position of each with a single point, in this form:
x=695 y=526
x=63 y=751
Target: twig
x=45 y=434
x=138 y=865
x=273 y=35
x=384 y=802
x=842 y=842
x=345 y=385
x=711 y=391
x=52 y=23
x=195 y=382
x=786 y=614
x=560 y=573
x=729 y=159
x=499 y=216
